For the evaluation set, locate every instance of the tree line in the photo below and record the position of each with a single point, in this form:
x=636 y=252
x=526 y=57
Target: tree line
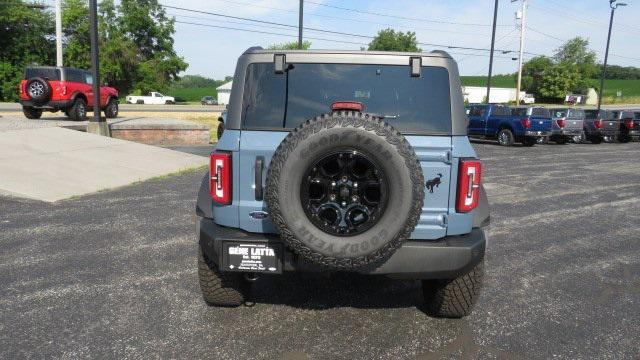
x=135 y=39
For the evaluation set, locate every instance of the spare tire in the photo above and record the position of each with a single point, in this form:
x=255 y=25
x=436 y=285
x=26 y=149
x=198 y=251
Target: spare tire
x=345 y=190
x=38 y=90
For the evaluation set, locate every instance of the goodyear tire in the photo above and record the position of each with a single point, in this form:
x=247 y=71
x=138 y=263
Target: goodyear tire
x=39 y=90
x=374 y=152
x=220 y=289
x=453 y=298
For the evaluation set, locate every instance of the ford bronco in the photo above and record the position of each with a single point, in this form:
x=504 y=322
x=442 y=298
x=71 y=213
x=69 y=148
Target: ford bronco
x=344 y=161
x=62 y=88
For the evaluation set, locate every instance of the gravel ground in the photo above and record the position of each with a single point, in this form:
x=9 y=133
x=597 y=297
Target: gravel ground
x=114 y=275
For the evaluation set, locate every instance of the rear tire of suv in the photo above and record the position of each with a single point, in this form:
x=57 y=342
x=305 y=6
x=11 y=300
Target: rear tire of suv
x=78 y=111
x=453 y=298
x=111 y=110
x=624 y=138
x=505 y=137
x=529 y=141
x=31 y=113
x=220 y=289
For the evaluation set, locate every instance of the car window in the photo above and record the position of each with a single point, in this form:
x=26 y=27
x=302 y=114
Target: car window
x=46 y=73
x=88 y=78
x=558 y=113
x=411 y=104
x=576 y=114
x=477 y=111
x=500 y=111
x=636 y=115
x=593 y=114
x=521 y=112
x=542 y=112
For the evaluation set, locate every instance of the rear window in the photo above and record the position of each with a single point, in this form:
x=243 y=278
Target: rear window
x=477 y=110
x=500 y=111
x=284 y=101
x=47 y=73
x=522 y=112
x=542 y=112
x=636 y=115
x=576 y=114
x=593 y=114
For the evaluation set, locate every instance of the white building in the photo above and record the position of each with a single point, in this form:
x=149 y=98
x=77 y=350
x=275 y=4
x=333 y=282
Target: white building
x=224 y=93
x=477 y=94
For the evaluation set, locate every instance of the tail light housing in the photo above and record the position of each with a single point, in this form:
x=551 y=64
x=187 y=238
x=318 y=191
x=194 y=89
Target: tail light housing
x=629 y=123
x=21 y=87
x=560 y=123
x=597 y=124
x=347 y=105
x=526 y=123
x=220 y=177
x=468 y=194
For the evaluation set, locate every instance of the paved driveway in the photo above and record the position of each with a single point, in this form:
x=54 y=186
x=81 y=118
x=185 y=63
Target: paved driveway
x=114 y=275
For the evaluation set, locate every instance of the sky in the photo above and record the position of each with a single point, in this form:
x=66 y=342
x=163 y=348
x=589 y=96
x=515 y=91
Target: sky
x=213 y=52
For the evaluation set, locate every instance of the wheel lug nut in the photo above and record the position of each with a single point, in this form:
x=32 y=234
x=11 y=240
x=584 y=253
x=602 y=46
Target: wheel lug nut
x=332 y=197
x=354 y=198
x=333 y=183
x=344 y=203
x=355 y=184
x=345 y=179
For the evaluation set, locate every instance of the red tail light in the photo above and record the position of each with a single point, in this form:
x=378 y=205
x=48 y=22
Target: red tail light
x=526 y=122
x=597 y=124
x=21 y=87
x=220 y=177
x=347 y=105
x=469 y=175
x=560 y=122
x=629 y=123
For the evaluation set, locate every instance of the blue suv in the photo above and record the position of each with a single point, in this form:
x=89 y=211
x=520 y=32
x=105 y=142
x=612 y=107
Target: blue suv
x=344 y=161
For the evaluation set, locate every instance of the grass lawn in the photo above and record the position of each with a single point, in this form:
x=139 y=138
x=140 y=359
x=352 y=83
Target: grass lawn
x=192 y=94
x=507 y=81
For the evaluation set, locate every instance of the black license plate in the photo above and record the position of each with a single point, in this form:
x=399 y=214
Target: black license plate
x=252 y=257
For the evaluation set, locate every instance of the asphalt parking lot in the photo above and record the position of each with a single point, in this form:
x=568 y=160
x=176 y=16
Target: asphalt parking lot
x=113 y=275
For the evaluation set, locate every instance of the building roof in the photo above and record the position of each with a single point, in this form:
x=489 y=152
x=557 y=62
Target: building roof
x=225 y=86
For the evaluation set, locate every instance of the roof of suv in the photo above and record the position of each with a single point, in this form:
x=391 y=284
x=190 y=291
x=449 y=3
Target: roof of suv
x=434 y=53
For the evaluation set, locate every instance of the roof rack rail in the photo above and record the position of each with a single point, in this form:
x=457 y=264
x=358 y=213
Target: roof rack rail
x=252 y=49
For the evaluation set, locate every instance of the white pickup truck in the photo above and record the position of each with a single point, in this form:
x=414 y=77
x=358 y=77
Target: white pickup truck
x=154 y=98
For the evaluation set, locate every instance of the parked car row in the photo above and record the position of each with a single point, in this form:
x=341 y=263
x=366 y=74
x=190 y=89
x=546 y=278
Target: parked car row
x=529 y=125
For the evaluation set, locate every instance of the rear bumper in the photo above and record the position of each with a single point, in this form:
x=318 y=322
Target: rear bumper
x=536 y=133
x=445 y=258
x=51 y=104
x=566 y=132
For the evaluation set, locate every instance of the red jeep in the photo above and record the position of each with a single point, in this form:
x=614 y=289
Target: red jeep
x=63 y=88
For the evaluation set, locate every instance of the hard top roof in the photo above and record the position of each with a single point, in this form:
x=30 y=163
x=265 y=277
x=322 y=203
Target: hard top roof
x=434 y=53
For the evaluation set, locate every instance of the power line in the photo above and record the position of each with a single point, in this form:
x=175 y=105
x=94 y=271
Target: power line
x=397 y=16
x=240 y=3
x=446 y=46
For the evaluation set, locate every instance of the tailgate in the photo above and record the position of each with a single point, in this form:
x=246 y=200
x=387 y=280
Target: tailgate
x=540 y=124
x=574 y=124
x=610 y=125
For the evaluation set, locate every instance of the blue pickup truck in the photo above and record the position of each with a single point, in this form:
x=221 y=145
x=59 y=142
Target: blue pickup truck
x=523 y=124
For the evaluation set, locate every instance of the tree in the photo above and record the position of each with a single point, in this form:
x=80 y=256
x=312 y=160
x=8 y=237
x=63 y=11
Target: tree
x=558 y=80
x=27 y=38
x=390 y=40
x=75 y=29
x=292 y=45
x=533 y=72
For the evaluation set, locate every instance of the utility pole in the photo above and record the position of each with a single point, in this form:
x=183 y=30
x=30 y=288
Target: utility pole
x=96 y=125
x=493 y=43
x=614 y=6
x=300 y=16
x=59 y=33
x=522 y=27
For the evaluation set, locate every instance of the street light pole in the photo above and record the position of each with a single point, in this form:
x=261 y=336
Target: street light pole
x=300 y=16
x=493 y=43
x=59 y=33
x=522 y=27
x=96 y=124
x=614 y=6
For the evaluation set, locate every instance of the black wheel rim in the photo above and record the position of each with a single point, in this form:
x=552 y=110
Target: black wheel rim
x=344 y=193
